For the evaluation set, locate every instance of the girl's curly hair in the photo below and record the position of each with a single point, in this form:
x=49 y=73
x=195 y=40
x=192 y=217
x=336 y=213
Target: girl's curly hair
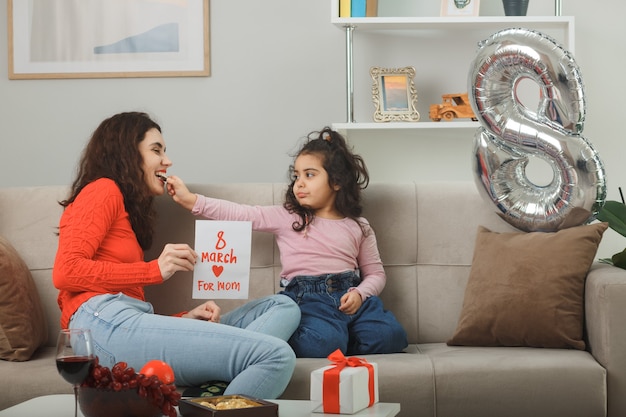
x=345 y=169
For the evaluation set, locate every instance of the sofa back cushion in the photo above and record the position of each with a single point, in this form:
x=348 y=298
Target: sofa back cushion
x=426 y=234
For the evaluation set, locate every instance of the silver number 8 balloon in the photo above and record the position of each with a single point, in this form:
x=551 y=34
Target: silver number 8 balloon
x=510 y=133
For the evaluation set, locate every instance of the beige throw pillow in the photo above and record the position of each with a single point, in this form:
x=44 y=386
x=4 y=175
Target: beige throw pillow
x=22 y=324
x=527 y=289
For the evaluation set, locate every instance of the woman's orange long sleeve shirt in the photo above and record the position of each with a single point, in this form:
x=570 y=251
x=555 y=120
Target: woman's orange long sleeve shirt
x=98 y=250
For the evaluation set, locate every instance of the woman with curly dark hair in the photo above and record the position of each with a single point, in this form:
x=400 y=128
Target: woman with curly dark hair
x=100 y=271
x=330 y=260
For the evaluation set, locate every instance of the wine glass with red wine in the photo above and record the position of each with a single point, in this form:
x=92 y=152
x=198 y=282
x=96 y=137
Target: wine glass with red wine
x=75 y=358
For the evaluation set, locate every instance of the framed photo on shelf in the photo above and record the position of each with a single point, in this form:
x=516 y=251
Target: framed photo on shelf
x=394 y=94
x=460 y=7
x=88 y=39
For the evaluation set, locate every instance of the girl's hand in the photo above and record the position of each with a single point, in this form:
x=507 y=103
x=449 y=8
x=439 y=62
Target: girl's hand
x=176 y=257
x=350 y=302
x=208 y=311
x=180 y=193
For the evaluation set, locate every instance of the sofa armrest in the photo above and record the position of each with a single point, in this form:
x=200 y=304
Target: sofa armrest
x=605 y=313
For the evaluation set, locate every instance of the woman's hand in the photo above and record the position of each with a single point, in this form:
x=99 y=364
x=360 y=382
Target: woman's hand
x=208 y=311
x=176 y=257
x=351 y=302
x=180 y=193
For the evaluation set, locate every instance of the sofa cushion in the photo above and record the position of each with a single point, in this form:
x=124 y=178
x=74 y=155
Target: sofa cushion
x=22 y=324
x=527 y=289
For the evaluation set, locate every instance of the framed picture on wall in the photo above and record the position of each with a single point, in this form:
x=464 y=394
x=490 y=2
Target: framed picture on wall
x=460 y=7
x=106 y=39
x=394 y=94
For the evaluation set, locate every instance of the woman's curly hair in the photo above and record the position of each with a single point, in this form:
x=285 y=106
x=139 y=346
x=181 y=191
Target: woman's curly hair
x=113 y=152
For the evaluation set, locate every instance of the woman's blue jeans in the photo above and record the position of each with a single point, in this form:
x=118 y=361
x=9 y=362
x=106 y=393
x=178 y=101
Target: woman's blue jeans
x=323 y=328
x=248 y=348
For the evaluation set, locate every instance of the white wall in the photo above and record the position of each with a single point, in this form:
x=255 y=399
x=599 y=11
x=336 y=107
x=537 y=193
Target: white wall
x=274 y=77
x=277 y=72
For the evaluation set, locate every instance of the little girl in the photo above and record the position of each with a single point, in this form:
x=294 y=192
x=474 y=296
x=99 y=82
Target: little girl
x=330 y=259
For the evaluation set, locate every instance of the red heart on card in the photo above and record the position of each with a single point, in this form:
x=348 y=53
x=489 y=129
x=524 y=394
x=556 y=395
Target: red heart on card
x=217 y=270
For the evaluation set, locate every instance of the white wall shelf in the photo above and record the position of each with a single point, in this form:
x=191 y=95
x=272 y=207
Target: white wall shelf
x=413 y=24
x=422 y=28
x=448 y=23
x=347 y=128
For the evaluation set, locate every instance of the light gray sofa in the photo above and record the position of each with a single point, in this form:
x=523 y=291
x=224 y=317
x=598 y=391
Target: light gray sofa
x=426 y=235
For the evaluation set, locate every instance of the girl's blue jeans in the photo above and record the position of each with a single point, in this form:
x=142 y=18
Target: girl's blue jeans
x=248 y=348
x=323 y=328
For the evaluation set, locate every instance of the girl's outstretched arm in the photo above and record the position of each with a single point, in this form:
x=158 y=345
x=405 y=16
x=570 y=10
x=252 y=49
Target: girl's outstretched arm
x=180 y=193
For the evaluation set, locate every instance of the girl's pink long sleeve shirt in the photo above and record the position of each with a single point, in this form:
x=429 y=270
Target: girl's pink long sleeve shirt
x=327 y=246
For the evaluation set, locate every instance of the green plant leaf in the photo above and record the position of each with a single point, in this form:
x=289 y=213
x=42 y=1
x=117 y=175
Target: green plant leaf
x=619 y=259
x=614 y=213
